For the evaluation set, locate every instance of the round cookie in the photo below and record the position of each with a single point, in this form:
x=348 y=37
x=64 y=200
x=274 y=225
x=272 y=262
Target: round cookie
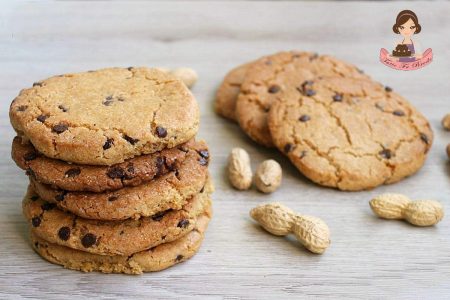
x=155 y=259
x=350 y=134
x=169 y=191
x=272 y=77
x=111 y=237
x=228 y=92
x=74 y=177
x=106 y=116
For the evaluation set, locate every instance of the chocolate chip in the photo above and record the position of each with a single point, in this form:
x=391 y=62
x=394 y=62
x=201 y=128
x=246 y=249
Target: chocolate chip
x=108 y=144
x=36 y=245
x=130 y=139
x=115 y=172
x=360 y=71
x=88 y=240
x=307 y=82
x=64 y=233
x=48 y=206
x=121 y=232
x=203 y=161
x=274 y=89
x=288 y=147
x=398 y=113
x=60 y=197
x=204 y=153
x=424 y=138
x=112 y=198
x=41 y=118
x=107 y=102
x=22 y=108
x=303 y=154
x=121 y=99
x=30 y=156
x=37 y=84
x=183 y=223
x=130 y=168
x=310 y=92
x=179 y=257
x=314 y=56
x=337 y=97
x=36 y=221
x=108 y=98
x=30 y=172
x=59 y=128
x=203 y=189
x=388 y=89
x=130 y=68
x=63 y=108
x=158 y=216
x=304 y=118
x=161 y=132
x=385 y=153
x=34 y=197
x=72 y=172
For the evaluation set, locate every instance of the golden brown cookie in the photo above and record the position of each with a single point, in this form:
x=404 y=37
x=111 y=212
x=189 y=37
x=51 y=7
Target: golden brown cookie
x=228 y=92
x=351 y=134
x=106 y=116
x=155 y=259
x=112 y=237
x=273 y=76
x=75 y=177
x=170 y=191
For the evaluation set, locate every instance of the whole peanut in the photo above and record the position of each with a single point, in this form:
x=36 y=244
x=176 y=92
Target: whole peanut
x=187 y=75
x=280 y=220
x=446 y=122
x=239 y=169
x=268 y=176
x=397 y=206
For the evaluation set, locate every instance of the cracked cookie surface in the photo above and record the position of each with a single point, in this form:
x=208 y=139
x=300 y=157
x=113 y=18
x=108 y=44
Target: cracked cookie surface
x=112 y=237
x=169 y=191
x=155 y=259
x=75 y=177
x=350 y=134
x=106 y=116
x=275 y=75
x=228 y=91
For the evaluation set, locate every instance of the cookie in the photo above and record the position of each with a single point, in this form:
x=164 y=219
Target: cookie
x=228 y=91
x=272 y=77
x=75 y=177
x=106 y=116
x=111 y=237
x=169 y=191
x=155 y=259
x=350 y=134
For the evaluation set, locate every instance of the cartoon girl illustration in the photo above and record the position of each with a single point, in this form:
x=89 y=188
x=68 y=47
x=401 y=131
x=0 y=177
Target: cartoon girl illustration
x=406 y=24
x=406 y=55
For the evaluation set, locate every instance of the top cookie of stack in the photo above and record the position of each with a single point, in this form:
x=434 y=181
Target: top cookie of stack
x=106 y=116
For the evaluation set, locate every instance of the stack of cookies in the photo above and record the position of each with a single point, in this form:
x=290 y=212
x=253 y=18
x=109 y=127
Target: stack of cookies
x=118 y=184
x=340 y=128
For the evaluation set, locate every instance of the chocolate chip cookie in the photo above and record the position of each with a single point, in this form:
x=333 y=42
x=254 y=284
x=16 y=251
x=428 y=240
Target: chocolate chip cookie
x=106 y=116
x=272 y=77
x=112 y=237
x=228 y=92
x=75 y=177
x=351 y=134
x=169 y=191
x=155 y=259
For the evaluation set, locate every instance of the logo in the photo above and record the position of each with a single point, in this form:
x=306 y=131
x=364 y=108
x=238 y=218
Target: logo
x=406 y=55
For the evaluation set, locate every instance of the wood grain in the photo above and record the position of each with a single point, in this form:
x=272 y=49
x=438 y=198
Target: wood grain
x=368 y=257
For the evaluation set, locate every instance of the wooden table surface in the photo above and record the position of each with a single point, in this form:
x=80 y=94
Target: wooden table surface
x=368 y=257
